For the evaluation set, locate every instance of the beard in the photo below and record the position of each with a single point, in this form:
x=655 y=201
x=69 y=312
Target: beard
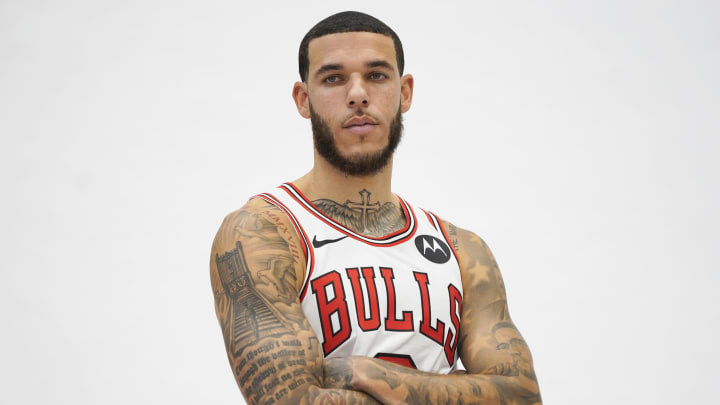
x=363 y=165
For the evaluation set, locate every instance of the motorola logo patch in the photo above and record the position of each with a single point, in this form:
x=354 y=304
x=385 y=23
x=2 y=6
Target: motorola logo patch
x=432 y=248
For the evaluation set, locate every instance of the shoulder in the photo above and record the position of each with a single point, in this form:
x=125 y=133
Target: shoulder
x=249 y=214
x=255 y=218
x=469 y=247
x=477 y=263
x=263 y=235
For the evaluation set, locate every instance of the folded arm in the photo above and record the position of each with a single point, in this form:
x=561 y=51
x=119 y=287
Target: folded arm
x=256 y=269
x=498 y=361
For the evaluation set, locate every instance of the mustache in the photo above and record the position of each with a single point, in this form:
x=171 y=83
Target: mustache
x=360 y=113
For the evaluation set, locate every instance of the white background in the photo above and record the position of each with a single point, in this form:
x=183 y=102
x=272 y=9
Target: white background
x=579 y=139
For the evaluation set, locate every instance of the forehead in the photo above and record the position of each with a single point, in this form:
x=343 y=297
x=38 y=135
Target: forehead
x=347 y=47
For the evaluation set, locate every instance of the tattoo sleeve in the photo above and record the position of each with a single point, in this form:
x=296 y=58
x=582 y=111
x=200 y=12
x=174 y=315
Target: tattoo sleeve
x=272 y=349
x=498 y=361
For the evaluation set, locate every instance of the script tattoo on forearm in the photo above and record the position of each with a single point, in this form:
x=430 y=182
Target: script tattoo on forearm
x=274 y=354
x=372 y=219
x=267 y=357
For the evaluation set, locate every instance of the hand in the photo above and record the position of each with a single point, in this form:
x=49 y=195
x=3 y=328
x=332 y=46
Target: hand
x=338 y=373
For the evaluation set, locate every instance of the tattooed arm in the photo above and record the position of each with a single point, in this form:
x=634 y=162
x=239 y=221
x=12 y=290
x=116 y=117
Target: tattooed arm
x=497 y=359
x=256 y=269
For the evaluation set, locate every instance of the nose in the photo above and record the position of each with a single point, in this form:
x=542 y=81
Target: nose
x=357 y=94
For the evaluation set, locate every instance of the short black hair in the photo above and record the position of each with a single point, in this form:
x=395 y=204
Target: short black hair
x=347 y=21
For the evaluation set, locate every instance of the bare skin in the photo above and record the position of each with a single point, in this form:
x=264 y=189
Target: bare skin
x=271 y=344
x=255 y=267
x=497 y=358
x=339 y=93
x=257 y=264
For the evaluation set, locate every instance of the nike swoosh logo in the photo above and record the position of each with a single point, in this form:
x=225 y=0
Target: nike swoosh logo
x=320 y=243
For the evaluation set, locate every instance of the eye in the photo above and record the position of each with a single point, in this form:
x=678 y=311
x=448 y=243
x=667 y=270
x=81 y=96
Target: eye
x=332 y=79
x=377 y=76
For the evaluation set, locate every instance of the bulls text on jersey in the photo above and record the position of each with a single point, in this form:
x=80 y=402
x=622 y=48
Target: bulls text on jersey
x=331 y=301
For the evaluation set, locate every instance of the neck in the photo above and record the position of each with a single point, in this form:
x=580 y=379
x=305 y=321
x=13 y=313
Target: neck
x=365 y=204
x=325 y=181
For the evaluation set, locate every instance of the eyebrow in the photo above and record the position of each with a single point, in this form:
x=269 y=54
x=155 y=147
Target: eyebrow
x=337 y=66
x=328 y=67
x=379 y=63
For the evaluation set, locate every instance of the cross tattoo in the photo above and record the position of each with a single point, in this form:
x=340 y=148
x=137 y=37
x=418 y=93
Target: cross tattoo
x=364 y=207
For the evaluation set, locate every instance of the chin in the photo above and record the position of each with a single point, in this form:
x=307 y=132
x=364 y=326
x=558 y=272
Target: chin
x=362 y=151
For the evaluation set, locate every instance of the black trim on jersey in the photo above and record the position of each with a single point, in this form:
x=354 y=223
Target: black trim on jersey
x=360 y=306
x=316 y=284
x=440 y=328
x=388 y=240
x=393 y=313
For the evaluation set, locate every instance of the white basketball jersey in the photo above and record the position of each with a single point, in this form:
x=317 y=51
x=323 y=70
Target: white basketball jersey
x=397 y=297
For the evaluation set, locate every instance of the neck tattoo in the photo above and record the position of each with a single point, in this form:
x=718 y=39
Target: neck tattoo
x=372 y=219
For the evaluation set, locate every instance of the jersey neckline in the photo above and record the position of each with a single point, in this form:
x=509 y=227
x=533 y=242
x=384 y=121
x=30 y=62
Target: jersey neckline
x=391 y=239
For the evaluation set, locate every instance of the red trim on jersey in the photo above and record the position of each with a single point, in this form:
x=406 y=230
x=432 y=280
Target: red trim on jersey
x=449 y=242
x=429 y=219
x=407 y=210
x=344 y=229
x=308 y=250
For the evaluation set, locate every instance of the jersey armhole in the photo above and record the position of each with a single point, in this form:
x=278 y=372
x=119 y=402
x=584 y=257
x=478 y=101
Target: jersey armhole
x=439 y=225
x=308 y=251
x=432 y=221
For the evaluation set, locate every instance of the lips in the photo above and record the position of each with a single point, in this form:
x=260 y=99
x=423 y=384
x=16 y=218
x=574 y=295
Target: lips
x=363 y=120
x=360 y=125
x=361 y=129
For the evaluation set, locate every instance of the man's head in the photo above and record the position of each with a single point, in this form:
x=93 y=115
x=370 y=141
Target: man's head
x=348 y=21
x=353 y=91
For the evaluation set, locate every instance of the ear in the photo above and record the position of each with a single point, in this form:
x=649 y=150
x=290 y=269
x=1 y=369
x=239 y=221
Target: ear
x=406 y=92
x=300 y=96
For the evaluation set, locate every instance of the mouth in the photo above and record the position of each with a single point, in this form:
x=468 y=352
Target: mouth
x=360 y=125
x=361 y=129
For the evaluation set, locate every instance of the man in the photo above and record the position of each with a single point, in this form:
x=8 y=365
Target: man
x=333 y=290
